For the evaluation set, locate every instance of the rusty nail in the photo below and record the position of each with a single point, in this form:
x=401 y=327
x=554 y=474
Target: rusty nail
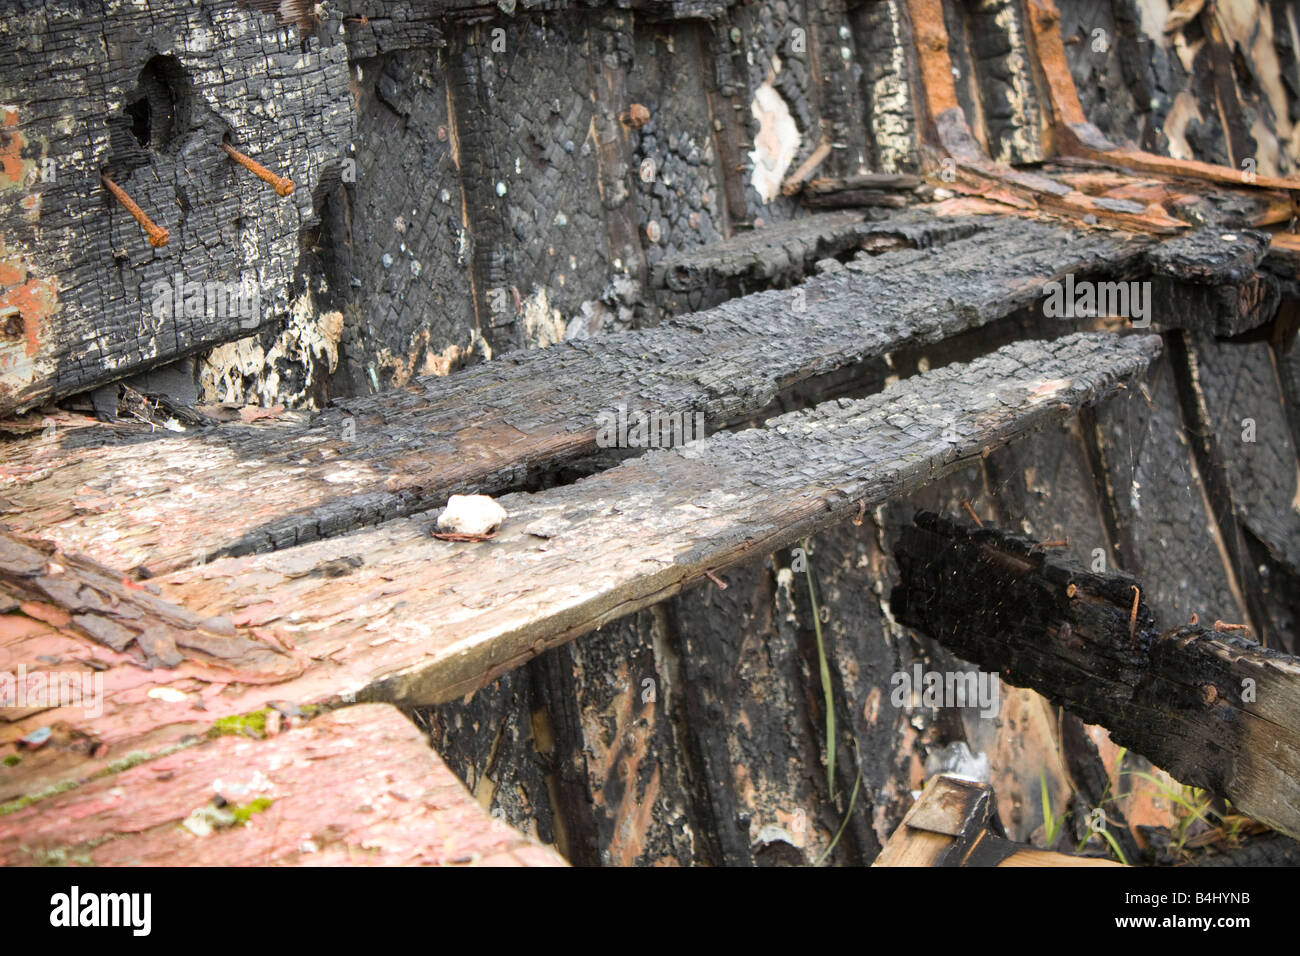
x=722 y=585
x=1133 y=614
x=283 y=187
x=158 y=236
x=1056 y=543
x=971 y=511
x=1225 y=626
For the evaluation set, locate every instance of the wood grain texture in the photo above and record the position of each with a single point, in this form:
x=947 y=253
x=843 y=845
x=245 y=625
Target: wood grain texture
x=393 y=614
x=356 y=787
x=161 y=502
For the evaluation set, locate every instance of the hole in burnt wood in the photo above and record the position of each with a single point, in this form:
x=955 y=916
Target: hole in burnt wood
x=158 y=109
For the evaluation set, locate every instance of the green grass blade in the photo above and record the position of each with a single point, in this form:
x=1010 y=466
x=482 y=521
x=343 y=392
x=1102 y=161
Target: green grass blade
x=826 y=678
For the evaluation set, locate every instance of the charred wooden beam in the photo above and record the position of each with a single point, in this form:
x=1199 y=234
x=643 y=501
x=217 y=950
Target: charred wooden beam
x=887 y=190
x=1213 y=709
x=780 y=253
x=498 y=425
x=393 y=614
x=1214 y=274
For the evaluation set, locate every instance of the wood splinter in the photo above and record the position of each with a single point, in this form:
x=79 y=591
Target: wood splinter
x=282 y=186
x=158 y=236
x=971 y=511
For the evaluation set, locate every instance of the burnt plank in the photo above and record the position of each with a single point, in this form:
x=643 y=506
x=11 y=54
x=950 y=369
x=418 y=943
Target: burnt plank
x=1215 y=710
x=1249 y=442
x=882 y=38
x=1244 y=402
x=490 y=427
x=393 y=614
x=777 y=254
x=531 y=174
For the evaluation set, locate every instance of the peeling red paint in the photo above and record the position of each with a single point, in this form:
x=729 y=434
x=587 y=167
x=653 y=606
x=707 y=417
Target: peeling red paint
x=35 y=299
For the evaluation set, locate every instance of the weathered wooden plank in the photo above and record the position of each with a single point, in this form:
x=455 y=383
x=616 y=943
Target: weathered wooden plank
x=72 y=593
x=1214 y=710
x=358 y=786
x=394 y=614
x=490 y=427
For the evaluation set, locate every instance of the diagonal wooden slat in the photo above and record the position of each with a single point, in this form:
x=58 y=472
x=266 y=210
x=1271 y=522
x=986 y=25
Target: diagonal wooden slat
x=160 y=502
x=393 y=614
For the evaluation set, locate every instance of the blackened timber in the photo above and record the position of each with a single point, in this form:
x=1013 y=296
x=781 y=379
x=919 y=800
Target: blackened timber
x=394 y=614
x=1210 y=279
x=785 y=251
x=163 y=502
x=1213 y=709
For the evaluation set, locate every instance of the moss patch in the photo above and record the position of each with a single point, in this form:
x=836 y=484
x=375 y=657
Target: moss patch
x=243 y=812
x=249 y=725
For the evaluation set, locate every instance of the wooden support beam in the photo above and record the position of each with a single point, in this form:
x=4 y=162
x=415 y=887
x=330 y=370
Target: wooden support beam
x=782 y=252
x=1212 y=708
x=393 y=614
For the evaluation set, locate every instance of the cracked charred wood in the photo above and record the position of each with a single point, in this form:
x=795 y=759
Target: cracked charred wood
x=393 y=614
x=122 y=500
x=1213 y=709
x=1210 y=279
x=95 y=301
x=779 y=253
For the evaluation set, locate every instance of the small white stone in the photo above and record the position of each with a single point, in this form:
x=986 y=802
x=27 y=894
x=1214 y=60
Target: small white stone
x=1229 y=237
x=471 y=514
